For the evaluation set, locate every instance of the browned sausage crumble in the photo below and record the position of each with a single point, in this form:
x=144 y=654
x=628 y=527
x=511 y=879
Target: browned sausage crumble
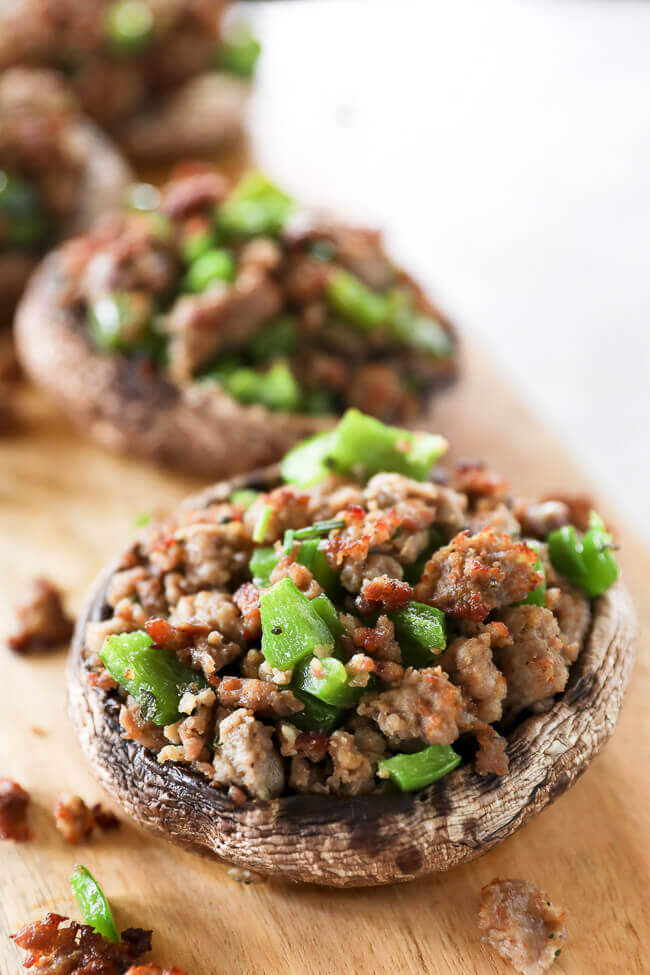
x=522 y=924
x=76 y=821
x=186 y=581
x=55 y=945
x=113 y=83
x=254 y=315
x=14 y=801
x=44 y=624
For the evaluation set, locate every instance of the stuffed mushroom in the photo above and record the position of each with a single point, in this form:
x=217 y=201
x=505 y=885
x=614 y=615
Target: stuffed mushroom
x=159 y=75
x=57 y=173
x=346 y=672
x=212 y=328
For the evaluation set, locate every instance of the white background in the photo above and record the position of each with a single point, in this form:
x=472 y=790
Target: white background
x=505 y=148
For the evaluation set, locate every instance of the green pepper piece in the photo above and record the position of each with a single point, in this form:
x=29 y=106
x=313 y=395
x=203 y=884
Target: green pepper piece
x=263 y=562
x=601 y=567
x=239 y=51
x=330 y=616
x=277 y=339
x=291 y=627
x=538 y=595
x=349 y=297
x=23 y=222
x=152 y=675
x=197 y=244
x=94 y=907
x=276 y=389
x=319 y=402
x=411 y=772
x=413 y=572
x=363 y=446
x=129 y=26
x=244 y=497
x=411 y=327
x=332 y=688
x=215 y=264
x=316 y=715
x=254 y=208
x=420 y=630
x=262 y=523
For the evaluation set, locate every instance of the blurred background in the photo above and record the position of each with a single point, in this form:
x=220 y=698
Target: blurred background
x=505 y=148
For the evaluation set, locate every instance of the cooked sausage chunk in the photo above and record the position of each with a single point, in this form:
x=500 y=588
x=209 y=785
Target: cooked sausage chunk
x=522 y=924
x=55 y=945
x=76 y=821
x=246 y=757
x=14 y=801
x=469 y=663
x=44 y=624
x=425 y=705
x=533 y=664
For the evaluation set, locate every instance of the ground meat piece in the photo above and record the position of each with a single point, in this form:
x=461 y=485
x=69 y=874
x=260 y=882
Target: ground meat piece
x=533 y=663
x=247 y=600
x=573 y=613
x=469 y=663
x=379 y=641
x=522 y=924
x=57 y=948
x=14 y=801
x=213 y=554
x=190 y=194
x=539 y=518
x=246 y=757
x=579 y=505
x=44 y=624
x=426 y=705
x=377 y=389
x=497 y=516
x=383 y=594
x=76 y=821
x=258 y=696
x=391 y=490
x=289 y=509
x=475 y=574
x=476 y=480
x=491 y=757
x=299 y=575
x=137 y=728
x=304 y=776
x=354 y=573
x=352 y=773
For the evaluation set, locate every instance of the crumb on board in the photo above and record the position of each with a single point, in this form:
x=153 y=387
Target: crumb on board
x=522 y=924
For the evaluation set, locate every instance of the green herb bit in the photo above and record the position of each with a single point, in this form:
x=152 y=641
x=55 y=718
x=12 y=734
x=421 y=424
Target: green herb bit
x=262 y=523
x=411 y=772
x=141 y=519
x=362 y=446
x=587 y=561
x=24 y=223
x=244 y=497
x=239 y=51
x=94 y=907
x=319 y=528
x=152 y=675
x=255 y=207
x=291 y=627
x=129 y=26
x=277 y=339
x=331 y=686
x=421 y=632
x=214 y=265
x=349 y=297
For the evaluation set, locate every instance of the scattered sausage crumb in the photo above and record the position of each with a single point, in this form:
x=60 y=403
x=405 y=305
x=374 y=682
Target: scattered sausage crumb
x=522 y=925
x=14 y=801
x=43 y=622
x=56 y=945
x=76 y=821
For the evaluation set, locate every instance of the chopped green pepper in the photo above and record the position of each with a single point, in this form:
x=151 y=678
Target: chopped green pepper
x=278 y=338
x=215 y=264
x=363 y=446
x=356 y=302
x=420 y=631
x=291 y=627
x=263 y=562
x=152 y=675
x=411 y=327
x=588 y=562
x=23 y=222
x=332 y=687
x=312 y=556
x=316 y=715
x=538 y=596
x=129 y=26
x=262 y=523
x=244 y=497
x=411 y=772
x=254 y=208
x=329 y=614
x=239 y=51
x=276 y=389
x=197 y=244
x=94 y=907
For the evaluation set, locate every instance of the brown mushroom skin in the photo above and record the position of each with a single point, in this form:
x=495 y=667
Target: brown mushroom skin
x=104 y=180
x=364 y=840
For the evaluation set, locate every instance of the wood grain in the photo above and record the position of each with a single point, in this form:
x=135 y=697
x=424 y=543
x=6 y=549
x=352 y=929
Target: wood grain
x=65 y=509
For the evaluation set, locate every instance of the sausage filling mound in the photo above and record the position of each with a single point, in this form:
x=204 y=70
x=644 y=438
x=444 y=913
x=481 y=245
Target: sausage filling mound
x=463 y=547
x=222 y=287
x=117 y=56
x=40 y=159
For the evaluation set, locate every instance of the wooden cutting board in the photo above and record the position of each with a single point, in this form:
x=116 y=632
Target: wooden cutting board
x=65 y=508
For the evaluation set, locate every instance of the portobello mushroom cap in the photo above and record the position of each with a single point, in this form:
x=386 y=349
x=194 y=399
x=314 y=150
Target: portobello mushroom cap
x=363 y=840
x=104 y=178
